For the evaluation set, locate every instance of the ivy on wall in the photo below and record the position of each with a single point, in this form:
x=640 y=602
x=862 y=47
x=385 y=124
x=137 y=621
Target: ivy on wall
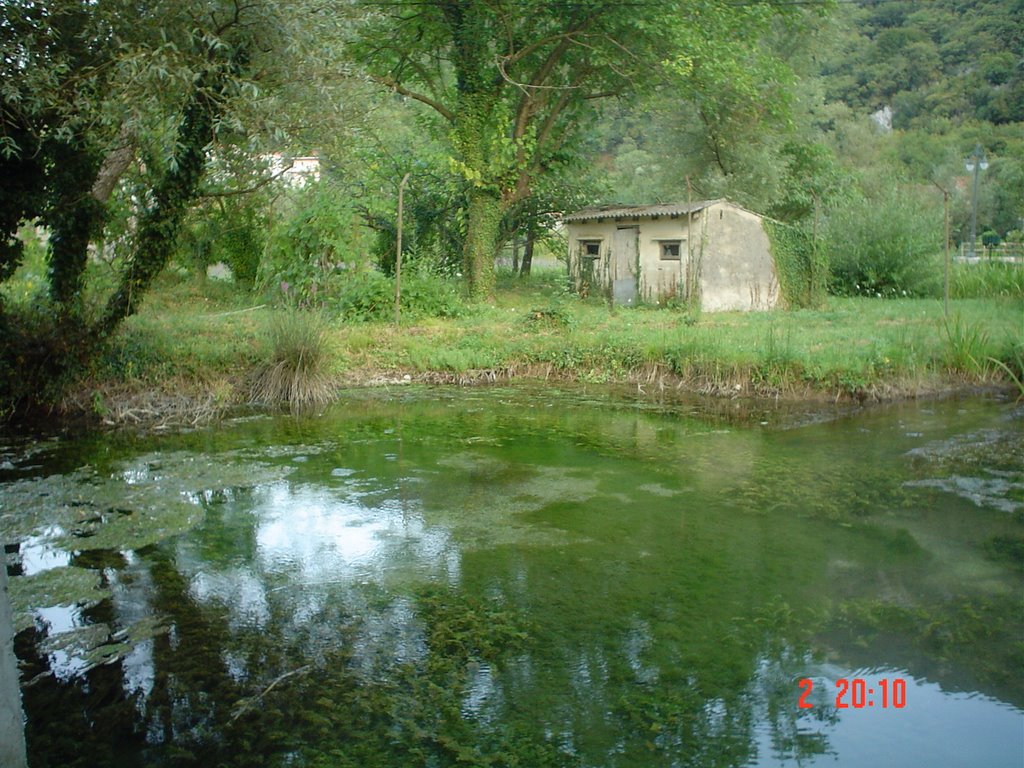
x=801 y=265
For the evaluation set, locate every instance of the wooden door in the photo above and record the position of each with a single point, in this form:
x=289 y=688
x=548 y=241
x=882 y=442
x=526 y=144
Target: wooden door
x=625 y=263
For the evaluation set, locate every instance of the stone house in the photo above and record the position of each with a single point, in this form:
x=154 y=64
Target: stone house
x=710 y=251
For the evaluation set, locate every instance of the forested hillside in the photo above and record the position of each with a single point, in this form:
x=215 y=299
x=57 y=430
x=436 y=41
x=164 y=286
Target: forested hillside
x=933 y=63
x=879 y=94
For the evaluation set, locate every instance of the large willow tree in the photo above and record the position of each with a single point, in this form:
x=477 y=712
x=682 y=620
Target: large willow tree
x=95 y=88
x=515 y=80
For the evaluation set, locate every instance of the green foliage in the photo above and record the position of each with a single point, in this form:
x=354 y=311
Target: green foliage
x=89 y=91
x=425 y=294
x=38 y=356
x=368 y=295
x=233 y=231
x=319 y=239
x=885 y=244
x=801 y=264
x=942 y=59
x=492 y=72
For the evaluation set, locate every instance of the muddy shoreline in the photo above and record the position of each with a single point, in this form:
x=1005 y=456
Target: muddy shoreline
x=190 y=404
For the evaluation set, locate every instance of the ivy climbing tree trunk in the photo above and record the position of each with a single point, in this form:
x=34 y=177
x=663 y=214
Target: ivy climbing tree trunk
x=482 y=224
x=73 y=219
x=159 y=224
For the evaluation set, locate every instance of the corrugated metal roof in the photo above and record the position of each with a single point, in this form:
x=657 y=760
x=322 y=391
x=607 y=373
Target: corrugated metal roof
x=638 y=211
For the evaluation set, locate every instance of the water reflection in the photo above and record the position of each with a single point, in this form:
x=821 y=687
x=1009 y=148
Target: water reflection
x=432 y=583
x=37 y=553
x=936 y=727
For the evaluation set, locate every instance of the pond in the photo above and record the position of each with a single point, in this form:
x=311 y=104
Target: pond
x=526 y=577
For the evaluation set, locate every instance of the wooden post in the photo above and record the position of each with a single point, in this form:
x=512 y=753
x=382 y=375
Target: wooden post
x=688 y=278
x=398 y=252
x=945 y=292
x=814 y=258
x=945 y=205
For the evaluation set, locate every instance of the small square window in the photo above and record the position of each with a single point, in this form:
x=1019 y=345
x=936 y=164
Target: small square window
x=590 y=249
x=670 y=250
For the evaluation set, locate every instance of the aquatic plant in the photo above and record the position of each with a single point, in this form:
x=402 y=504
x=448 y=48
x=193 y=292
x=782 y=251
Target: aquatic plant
x=297 y=372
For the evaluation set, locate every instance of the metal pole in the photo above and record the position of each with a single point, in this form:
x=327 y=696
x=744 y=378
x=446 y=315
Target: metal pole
x=976 y=163
x=974 y=205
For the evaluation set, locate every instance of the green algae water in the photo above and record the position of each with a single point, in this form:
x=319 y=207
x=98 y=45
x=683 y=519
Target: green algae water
x=522 y=577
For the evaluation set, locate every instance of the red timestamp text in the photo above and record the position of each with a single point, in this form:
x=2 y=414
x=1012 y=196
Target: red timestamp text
x=858 y=693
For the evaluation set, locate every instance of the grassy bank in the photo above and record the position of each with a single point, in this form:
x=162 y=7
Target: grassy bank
x=197 y=345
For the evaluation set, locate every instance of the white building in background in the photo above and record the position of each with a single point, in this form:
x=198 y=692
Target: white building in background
x=294 y=171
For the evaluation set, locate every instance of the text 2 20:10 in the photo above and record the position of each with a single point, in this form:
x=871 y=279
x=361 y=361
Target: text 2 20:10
x=893 y=693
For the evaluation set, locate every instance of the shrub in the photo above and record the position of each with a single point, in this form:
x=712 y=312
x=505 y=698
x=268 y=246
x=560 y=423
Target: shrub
x=425 y=294
x=368 y=295
x=320 y=239
x=885 y=245
x=365 y=295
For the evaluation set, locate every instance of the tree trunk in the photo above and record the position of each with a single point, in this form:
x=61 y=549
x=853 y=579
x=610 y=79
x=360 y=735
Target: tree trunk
x=524 y=269
x=12 y=732
x=74 y=218
x=484 y=219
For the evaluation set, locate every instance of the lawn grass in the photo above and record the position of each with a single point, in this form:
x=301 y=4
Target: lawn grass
x=853 y=348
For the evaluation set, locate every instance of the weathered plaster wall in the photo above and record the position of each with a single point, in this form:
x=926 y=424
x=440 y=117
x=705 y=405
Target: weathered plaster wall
x=581 y=272
x=737 y=272
x=662 y=280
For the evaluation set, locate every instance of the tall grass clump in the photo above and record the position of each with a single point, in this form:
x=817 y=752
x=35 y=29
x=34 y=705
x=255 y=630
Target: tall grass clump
x=965 y=346
x=986 y=280
x=297 y=373
x=1010 y=362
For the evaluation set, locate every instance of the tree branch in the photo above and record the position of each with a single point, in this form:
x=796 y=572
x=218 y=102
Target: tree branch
x=258 y=185
x=115 y=163
x=397 y=87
